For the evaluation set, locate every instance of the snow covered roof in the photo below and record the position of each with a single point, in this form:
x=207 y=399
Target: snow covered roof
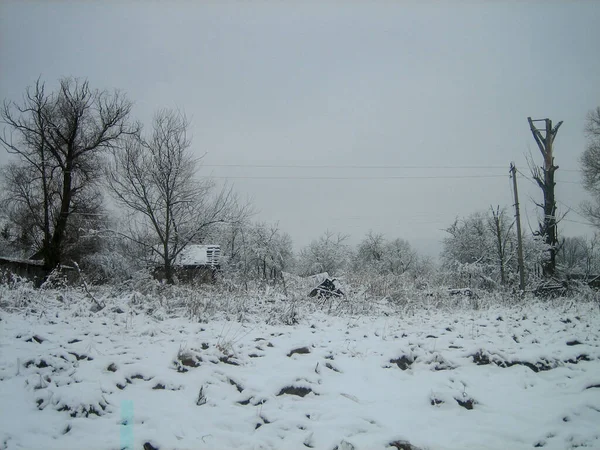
x=194 y=255
x=318 y=278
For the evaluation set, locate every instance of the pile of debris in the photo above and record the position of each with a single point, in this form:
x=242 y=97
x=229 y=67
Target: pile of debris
x=325 y=287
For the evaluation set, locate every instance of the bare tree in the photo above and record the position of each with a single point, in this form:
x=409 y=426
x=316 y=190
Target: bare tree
x=481 y=247
x=544 y=177
x=399 y=257
x=590 y=166
x=155 y=179
x=330 y=253
x=269 y=250
x=370 y=252
x=57 y=139
x=376 y=254
x=257 y=251
x=502 y=230
x=574 y=257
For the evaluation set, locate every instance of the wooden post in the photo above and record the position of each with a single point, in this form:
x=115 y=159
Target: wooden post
x=513 y=172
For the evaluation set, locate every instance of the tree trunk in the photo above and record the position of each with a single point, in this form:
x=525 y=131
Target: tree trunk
x=53 y=254
x=168 y=267
x=550 y=234
x=548 y=226
x=496 y=217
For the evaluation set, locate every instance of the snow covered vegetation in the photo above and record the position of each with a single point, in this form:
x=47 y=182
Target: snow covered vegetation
x=174 y=367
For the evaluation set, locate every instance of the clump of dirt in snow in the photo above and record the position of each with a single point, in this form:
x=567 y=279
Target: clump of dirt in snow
x=299 y=351
x=300 y=391
x=402 y=445
x=404 y=362
x=186 y=358
x=467 y=403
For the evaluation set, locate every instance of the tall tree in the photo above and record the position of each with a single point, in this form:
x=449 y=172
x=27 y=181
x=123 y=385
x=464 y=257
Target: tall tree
x=57 y=139
x=154 y=177
x=544 y=176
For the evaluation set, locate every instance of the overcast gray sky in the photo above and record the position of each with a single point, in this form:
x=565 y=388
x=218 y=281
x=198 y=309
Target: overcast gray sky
x=437 y=85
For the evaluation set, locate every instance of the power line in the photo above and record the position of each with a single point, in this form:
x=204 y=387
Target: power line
x=572 y=209
x=359 y=166
x=420 y=220
x=582 y=223
x=568 y=182
x=531 y=180
x=425 y=177
x=347 y=166
x=560 y=202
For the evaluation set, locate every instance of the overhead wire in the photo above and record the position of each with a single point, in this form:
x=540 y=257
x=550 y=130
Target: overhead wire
x=384 y=177
x=575 y=210
x=535 y=183
x=348 y=166
x=569 y=208
x=531 y=180
x=582 y=223
x=293 y=177
x=361 y=166
x=525 y=210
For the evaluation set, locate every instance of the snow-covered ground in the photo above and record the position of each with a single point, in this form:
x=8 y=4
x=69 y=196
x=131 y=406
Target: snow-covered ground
x=499 y=378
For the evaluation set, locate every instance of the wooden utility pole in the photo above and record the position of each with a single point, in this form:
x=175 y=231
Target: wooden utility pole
x=546 y=183
x=513 y=172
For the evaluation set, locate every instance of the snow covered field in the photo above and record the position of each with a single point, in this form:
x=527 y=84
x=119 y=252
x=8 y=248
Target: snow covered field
x=498 y=378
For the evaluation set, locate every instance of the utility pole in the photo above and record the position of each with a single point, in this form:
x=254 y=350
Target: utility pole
x=546 y=183
x=513 y=172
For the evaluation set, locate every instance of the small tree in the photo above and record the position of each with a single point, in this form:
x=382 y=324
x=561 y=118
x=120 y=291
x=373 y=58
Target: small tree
x=502 y=230
x=57 y=139
x=370 y=253
x=258 y=251
x=154 y=178
x=269 y=251
x=329 y=253
x=377 y=255
x=579 y=257
x=382 y=267
x=399 y=257
x=482 y=246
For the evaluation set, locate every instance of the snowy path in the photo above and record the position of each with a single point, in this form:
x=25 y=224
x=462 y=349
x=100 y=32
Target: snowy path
x=108 y=381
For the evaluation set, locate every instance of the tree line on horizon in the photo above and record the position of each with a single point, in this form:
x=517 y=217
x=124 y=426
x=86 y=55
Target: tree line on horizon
x=75 y=146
